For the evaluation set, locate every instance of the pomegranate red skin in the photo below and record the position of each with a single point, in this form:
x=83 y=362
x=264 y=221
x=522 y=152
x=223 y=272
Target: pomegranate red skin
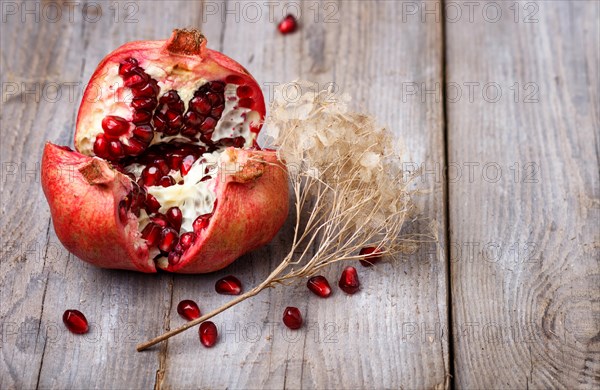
x=84 y=193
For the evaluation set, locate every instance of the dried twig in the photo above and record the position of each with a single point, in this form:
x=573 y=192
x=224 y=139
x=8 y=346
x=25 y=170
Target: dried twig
x=348 y=189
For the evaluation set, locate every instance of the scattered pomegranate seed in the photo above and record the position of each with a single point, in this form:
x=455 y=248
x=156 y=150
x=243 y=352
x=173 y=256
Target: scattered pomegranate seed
x=292 y=317
x=208 y=334
x=75 y=321
x=229 y=285
x=188 y=310
x=319 y=285
x=288 y=25
x=374 y=256
x=349 y=280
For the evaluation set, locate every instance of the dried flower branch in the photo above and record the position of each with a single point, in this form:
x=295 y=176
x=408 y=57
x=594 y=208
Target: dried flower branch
x=349 y=191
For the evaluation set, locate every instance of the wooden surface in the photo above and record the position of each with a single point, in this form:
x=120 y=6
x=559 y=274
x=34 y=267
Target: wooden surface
x=509 y=298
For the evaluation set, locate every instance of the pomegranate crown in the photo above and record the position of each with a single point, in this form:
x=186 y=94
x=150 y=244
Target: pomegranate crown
x=188 y=42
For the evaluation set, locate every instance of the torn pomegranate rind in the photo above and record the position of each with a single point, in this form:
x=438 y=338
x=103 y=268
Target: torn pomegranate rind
x=167 y=171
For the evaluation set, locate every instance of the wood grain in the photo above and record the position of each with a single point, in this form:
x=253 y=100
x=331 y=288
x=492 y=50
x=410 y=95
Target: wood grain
x=525 y=268
x=373 y=339
x=391 y=335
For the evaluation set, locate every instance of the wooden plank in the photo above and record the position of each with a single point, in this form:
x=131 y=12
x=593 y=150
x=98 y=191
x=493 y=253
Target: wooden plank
x=524 y=228
x=390 y=335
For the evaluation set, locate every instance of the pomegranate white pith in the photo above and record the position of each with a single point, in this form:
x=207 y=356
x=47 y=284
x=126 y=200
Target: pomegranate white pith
x=168 y=173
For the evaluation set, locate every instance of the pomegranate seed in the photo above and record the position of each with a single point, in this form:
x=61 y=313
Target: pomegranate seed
x=140 y=117
x=168 y=239
x=150 y=176
x=134 y=148
x=170 y=97
x=175 y=217
x=147 y=103
x=166 y=181
x=115 y=149
x=374 y=256
x=114 y=125
x=127 y=66
x=75 y=321
x=101 y=146
x=192 y=119
x=349 y=280
x=174 y=118
x=188 y=310
x=234 y=79
x=319 y=285
x=217 y=111
x=200 y=104
x=208 y=334
x=174 y=257
x=292 y=317
x=229 y=285
x=160 y=220
x=208 y=124
x=186 y=164
x=162 y=166
x=135 y=79
x=288 y=25
x=151 y=233
x=186 y=240
x=147 y=90
x=152 y=204
x=244 y=91
x=174 y=161
x=201 y=222
x=144 y=133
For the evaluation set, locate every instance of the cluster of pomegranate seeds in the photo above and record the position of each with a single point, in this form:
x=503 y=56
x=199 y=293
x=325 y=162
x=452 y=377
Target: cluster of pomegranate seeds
x=229 y=285
x=188 y=310
x=288 y=25
x=292 y=317
x=75 y=321
x=349 y=280
x=110 y=144
x=319 y=285
x=208 y=334
x=372 y=257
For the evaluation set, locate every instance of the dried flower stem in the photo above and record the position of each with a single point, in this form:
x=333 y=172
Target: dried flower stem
x=347 y=195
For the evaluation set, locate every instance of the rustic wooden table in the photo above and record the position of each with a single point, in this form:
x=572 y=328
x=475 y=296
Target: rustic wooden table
x=503 y=94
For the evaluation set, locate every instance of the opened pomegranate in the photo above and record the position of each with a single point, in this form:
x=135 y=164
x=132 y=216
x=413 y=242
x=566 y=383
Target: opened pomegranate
x=167 y=171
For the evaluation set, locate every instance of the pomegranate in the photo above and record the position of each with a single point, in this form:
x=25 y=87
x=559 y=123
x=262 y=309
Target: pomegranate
x=167 y=172
x=75 y=321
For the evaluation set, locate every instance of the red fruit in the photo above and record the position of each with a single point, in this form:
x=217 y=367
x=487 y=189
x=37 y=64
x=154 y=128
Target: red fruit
x=229 y=285
x=149 y=141
x=349 y=280
x=288 y=25
x=188 y=310
x=75 y=321
x=208 y=334
x=292 y=317
x=319 y=285
x=372 y=256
